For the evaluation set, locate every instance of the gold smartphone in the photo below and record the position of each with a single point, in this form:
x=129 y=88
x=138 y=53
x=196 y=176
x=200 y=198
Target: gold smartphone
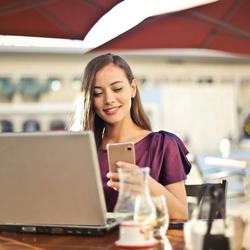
x=124 y=151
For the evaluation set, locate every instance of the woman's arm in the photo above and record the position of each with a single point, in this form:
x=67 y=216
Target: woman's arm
x=175 y=196
x=175 y=193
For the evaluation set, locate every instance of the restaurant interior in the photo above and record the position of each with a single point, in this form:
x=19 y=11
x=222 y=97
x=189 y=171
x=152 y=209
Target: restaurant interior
x=192 y=66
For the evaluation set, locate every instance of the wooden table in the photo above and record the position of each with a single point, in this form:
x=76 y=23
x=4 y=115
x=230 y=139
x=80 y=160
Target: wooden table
x=15 y=241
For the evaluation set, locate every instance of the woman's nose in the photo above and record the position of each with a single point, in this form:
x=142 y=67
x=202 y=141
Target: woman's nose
x=109 y=98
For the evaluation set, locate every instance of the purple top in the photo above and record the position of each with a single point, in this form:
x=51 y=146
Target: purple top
x=162 y=151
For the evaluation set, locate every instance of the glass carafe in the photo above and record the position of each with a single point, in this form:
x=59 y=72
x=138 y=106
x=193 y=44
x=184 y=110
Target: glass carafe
x=134 y=196
x=145 y=211
x=126 y=197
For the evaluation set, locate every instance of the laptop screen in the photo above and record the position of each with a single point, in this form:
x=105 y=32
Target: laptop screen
x=50 y=178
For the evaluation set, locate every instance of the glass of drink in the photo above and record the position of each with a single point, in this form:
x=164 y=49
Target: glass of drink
x=162 y=217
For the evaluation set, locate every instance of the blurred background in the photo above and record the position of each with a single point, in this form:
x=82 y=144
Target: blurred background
x=202 y=98
x=192 y=67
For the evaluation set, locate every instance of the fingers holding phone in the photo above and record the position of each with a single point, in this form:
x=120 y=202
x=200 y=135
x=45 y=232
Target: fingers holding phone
x=123 y=153
x=120 y=152
x=129 y=176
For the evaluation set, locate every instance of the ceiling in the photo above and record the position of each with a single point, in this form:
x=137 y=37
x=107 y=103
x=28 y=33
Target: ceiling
x=223 y=25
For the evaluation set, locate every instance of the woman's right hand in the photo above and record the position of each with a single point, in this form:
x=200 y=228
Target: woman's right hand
x=113 y=181
x=132 y=180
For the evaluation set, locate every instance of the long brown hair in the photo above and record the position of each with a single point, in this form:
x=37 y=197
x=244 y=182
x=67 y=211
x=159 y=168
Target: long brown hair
x=91 y=120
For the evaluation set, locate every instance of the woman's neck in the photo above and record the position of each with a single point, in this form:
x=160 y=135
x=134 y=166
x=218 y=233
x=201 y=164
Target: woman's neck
x=120 y=132
x=123 y=132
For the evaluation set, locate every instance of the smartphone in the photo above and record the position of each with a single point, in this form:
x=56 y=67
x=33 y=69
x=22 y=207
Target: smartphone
x=124 y=151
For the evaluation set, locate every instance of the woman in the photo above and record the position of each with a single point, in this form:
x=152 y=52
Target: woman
x=114 y=112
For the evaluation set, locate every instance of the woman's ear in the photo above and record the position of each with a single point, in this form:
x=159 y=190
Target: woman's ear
x=133 y=86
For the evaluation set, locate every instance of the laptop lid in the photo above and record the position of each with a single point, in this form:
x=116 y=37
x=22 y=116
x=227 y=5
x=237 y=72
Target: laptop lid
x=50 y=178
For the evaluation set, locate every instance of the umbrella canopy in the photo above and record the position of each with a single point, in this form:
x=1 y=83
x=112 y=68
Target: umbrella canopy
x=71 y=19
x=223 y=25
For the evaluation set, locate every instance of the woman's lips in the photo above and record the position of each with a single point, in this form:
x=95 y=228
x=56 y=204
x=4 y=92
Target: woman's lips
x=111 y=111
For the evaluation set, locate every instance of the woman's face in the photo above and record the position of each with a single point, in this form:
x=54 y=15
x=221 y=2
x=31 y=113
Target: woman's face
x=112 y=94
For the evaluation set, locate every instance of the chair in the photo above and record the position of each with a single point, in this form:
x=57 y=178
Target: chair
x=30 y=88
x=202 y=189
x=7 y=88
x=6 y=126
x=31 y=126
x=57 y=125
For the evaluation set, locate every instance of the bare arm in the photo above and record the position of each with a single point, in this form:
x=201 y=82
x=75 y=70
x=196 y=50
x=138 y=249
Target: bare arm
x=175 y=193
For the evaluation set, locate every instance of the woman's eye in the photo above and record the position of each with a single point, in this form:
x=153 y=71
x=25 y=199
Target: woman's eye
x=97 y=93
x=117 y=89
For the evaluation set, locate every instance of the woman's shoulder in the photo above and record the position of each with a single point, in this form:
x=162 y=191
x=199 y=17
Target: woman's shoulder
x=164 y=149
x=167 y=140
x=164 y=135
x=159 y=136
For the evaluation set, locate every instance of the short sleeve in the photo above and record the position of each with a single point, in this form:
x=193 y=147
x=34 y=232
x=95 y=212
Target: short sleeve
x=169 y=163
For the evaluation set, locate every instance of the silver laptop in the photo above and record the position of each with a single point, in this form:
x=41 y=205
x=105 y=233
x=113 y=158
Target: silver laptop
x=50 y=183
